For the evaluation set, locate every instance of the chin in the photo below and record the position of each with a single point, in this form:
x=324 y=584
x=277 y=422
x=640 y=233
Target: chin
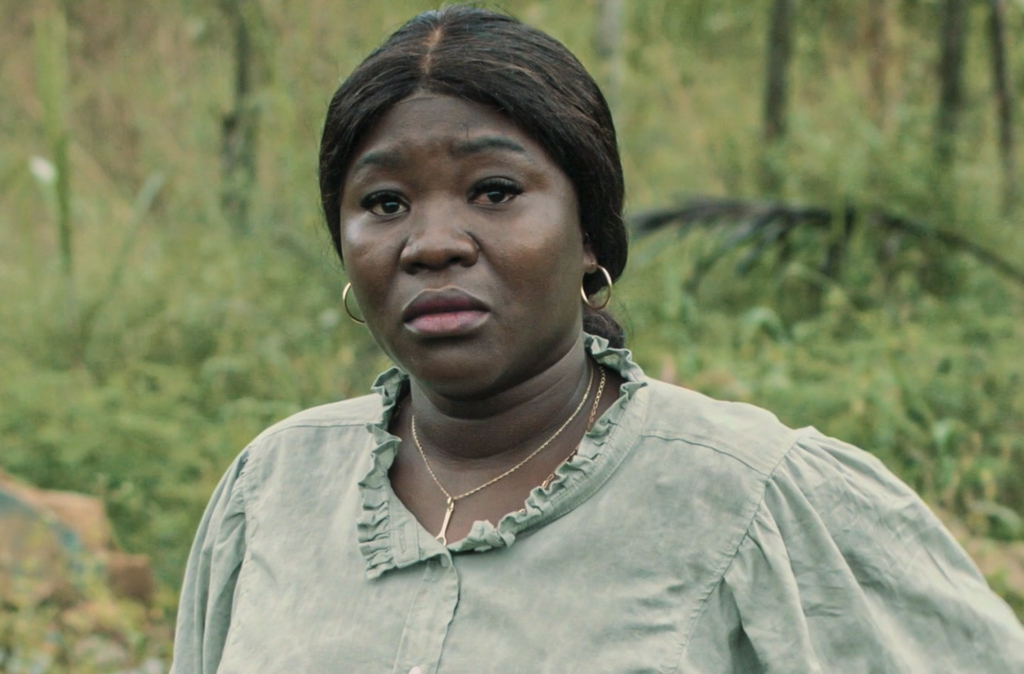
x=462 y=379
x=483 y=362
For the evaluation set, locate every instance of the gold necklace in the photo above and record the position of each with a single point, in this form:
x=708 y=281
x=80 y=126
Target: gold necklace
x=590 y=424
x=452 y=499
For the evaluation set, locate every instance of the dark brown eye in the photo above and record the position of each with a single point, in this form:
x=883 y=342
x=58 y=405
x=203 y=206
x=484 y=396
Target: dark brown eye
x=383 y=204
x=495 y=191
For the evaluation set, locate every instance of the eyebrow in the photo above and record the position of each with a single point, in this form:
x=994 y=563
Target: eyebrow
x=486 y=143
x=386 y=159
x=390 y=159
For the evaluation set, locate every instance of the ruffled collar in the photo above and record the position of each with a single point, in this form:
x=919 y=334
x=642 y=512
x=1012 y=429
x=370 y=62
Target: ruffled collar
x=390 y=536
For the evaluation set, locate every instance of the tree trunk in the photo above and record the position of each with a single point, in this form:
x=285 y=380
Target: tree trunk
x=776 y=93
x=954 y=34
x=878 y=58
x=240 y=125
x=607 y=42
x=1004 y=102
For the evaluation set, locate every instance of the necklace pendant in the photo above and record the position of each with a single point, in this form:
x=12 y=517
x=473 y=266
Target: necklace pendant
x=444 y=525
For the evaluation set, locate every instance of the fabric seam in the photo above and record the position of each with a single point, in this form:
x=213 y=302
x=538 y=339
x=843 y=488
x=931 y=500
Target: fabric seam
x=243 y=483
x=731 y=559
x=326 y=423
x=717 y=450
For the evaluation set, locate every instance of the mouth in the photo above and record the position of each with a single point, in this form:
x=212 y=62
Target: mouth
x=448 y=312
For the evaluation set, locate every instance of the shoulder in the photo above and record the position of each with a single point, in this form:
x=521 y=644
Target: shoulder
x=861 y=574
x=818 y=536
x=703 y=466
x=743 y=448
x=741 y=459
x=745 y=436
x=327 y=435
x=356 y=412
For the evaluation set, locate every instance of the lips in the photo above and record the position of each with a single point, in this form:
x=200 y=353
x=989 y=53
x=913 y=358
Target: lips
x=446 y=312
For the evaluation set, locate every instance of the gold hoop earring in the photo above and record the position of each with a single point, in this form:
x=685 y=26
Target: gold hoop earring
x=344 y=303
x=608 y=279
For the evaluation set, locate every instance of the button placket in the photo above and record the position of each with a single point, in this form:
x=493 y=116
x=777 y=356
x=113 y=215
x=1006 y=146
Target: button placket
x=429 y=618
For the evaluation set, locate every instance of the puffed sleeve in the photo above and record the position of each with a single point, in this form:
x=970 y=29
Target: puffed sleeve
x=207 y=593
x=845 y=569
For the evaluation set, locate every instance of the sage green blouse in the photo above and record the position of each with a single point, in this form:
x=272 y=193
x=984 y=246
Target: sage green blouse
x=687 y=535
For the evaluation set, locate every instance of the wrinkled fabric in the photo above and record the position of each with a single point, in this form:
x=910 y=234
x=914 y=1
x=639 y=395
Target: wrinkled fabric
x=686 y=535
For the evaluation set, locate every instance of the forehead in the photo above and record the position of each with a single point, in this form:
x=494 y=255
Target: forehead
x=437 y=124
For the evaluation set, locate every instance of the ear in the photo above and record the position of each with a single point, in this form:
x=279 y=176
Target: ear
x=589 y=258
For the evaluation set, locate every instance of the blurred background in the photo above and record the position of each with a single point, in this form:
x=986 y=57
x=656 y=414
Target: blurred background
x=826 y=208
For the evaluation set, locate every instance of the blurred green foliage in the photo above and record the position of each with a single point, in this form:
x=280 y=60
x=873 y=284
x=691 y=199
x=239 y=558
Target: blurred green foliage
x=203 y=338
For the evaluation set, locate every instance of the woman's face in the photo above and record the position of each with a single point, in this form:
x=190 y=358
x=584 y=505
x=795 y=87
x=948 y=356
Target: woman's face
x=462 y=242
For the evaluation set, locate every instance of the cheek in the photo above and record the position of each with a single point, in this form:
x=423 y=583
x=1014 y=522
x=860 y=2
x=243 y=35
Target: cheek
x=360 y=241
x=366 y=256
x=564 y=244
x=552 y=266
x=352 y=234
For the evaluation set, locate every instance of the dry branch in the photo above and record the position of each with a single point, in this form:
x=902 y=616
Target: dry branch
x=767 y=225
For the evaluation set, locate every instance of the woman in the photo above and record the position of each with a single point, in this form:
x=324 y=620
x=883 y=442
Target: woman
x=519 y=497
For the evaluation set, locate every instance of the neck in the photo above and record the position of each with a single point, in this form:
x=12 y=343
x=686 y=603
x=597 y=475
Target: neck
x=504 y=425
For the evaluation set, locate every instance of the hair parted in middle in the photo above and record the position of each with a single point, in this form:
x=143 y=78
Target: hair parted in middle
x=524 y=74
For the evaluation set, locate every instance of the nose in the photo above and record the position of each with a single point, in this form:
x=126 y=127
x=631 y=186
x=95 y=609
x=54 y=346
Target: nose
x=438 y=238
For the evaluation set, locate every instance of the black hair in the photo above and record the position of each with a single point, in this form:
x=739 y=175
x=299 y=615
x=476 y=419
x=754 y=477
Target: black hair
x=523 y=73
